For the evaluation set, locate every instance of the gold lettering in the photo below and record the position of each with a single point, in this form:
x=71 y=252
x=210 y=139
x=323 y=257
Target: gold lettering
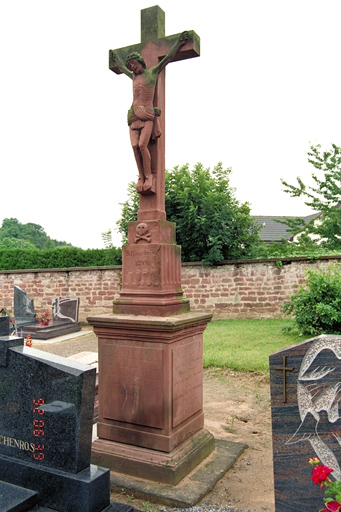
x=17 y=443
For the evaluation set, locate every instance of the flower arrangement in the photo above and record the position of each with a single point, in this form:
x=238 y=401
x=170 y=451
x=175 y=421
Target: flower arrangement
x=320 y=476
x=45 y=319
x=28 y=340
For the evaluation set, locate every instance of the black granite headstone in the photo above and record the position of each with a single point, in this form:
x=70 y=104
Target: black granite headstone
x=46 y=416
x=23 y=308
x=305 y=384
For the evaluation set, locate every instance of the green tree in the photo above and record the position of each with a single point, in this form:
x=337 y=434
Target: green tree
x=317 y=304
x=26 y=235
x=212 y=225
x=15 y=243
x=323 y=196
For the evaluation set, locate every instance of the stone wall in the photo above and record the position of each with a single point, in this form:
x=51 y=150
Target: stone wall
x=247 y=289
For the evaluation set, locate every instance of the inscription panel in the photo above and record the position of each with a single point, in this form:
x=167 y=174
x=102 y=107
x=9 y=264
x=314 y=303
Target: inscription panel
x=187 y=380
x=132 y=386
x=142 y=267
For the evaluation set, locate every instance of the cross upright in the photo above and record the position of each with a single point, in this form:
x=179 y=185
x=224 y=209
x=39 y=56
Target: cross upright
x=284 y=369
x=156 y=50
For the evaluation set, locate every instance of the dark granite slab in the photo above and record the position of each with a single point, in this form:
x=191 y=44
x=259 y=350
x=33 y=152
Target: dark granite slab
x=87 y=491
x=16 y=499
x=53 y=330
x=305 y=385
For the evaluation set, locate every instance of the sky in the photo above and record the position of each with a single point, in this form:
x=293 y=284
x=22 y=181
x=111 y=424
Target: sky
x=265 y=87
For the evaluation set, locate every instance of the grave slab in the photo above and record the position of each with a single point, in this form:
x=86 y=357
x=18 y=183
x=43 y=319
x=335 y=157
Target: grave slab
x=305 y=382
x=64 y=320
x=16 y=499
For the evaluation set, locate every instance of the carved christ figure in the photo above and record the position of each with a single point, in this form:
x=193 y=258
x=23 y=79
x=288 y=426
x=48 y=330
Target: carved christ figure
x=143 y=115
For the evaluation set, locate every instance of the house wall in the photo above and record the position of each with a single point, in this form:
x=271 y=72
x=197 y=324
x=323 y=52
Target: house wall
x=248 y=289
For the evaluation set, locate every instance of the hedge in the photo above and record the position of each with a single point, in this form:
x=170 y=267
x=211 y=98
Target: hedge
x=62 y=257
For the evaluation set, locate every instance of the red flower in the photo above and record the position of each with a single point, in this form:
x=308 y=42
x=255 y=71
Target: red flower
x=333 y=506
x=320 y=475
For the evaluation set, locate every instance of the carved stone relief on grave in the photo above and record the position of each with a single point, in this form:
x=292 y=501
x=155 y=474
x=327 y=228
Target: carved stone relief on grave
x=143 y=233
x=318 y=396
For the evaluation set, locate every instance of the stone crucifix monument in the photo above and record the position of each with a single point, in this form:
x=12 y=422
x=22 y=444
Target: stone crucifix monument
x=150 y=349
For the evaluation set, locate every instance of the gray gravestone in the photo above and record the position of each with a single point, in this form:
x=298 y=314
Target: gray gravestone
x=65 y=310
x=46 y=417
x=23 y=308
x=305 y=384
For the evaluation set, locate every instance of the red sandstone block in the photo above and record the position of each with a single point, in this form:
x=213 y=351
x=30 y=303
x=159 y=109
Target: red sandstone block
x=195 y=281
x=221 y=305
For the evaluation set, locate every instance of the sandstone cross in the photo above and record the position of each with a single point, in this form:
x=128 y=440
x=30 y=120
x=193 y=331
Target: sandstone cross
x=157 y=50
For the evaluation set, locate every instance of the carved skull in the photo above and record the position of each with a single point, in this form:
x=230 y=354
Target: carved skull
x=141 y=229
x=142 y=233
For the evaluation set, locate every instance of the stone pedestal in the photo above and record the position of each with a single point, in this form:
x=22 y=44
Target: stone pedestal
x=150 y=395
x=151 y=273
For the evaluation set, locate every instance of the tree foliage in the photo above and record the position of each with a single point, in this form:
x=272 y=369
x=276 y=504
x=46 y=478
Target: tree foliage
x=61 y=257
x=317 y=304
x=323 y=196
x=15 y=235
x=212 y=225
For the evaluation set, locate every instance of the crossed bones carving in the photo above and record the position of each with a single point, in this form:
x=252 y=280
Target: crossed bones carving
x=142 y=233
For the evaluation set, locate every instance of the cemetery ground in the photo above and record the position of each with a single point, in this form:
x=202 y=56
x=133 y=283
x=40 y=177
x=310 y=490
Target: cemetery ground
x=236 y=406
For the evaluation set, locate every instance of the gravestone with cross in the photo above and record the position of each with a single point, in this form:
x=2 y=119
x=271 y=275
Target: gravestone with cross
x=151 y=261
x=305 y=382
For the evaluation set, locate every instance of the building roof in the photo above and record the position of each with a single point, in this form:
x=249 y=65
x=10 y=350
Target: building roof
x=273 y=231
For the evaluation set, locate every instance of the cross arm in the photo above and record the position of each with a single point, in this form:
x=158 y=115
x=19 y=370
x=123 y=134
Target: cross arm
x=161 y=46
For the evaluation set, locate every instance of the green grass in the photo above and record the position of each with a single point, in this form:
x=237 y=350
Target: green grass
x=245 y=345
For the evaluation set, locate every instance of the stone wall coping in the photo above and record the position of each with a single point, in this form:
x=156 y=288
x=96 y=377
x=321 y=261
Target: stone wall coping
x=183 y=264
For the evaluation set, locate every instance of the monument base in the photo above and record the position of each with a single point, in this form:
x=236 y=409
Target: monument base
x=192 y=489
x=87 y=491
x=150 y=379
x=169 y=468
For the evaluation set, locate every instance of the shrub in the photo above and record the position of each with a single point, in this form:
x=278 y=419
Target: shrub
x=63 y=257
x=317 y=304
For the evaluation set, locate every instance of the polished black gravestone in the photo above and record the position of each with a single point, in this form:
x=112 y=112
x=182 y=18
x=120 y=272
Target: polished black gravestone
x=4 y=327
x=23 y=308
x=64 y=320
x=305 y=382
x=46 y=416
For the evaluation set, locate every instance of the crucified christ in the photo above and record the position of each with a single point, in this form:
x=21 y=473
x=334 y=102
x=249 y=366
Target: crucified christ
x=143 y=115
